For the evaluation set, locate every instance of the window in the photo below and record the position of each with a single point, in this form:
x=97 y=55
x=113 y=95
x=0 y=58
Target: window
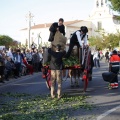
x=99 y=25
x=101 y=3
x=97 y=4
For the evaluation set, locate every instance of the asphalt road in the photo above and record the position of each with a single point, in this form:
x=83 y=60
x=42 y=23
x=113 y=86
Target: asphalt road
x=106 y=102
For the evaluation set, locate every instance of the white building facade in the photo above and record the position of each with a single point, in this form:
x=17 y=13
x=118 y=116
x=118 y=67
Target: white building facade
x=103 y=18
x=100 y=18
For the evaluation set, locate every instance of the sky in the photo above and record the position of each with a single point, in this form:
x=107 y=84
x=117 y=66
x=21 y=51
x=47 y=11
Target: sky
x=13 y=13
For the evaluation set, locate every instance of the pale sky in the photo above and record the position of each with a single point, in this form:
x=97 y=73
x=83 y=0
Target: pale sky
x=13 y=12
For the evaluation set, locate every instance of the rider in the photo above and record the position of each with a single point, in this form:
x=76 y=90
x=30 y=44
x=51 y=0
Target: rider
x=78 y=38
x=56 y=26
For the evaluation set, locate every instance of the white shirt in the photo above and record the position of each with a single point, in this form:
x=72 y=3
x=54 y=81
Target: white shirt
x=9 y=54
x=41 y=57
x=96 y=55
x=79 y=36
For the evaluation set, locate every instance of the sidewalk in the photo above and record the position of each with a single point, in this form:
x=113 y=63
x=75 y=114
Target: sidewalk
x=11 y=80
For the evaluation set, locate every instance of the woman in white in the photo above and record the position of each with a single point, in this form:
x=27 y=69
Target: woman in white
x=41 y=58
x=96 y=57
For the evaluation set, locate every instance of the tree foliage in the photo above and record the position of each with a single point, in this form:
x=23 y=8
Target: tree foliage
x=103 y=41
x=115 y=5
x=6 y=40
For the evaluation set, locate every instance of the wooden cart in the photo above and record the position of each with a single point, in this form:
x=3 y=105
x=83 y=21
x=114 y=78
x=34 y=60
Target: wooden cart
x=85 y=69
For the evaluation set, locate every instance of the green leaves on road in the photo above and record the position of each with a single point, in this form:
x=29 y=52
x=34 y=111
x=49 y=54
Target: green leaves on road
x=33 y=107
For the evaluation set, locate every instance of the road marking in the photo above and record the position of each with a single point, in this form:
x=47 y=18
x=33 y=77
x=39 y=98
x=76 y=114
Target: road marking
x=107 y=113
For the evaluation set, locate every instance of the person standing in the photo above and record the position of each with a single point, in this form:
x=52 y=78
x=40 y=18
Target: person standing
x=36 y=60
x=8 y=68
x=33 y=46
x=41 y=58
x=10 y=54
x=18 y=62
x=56 y=26
x=29 y=57
x=2 y=64
x=96 y=58
x=107 y=56
x=114 y=67
x=56 y=66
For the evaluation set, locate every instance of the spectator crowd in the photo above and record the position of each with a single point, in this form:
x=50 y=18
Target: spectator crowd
x=16 y=63
x=99 y=55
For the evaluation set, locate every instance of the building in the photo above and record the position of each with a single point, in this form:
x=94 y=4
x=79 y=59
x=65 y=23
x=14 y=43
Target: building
x=40 y=33
x=101 y=18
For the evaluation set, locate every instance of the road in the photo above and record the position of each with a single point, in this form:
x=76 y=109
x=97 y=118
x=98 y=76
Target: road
x=106 y=102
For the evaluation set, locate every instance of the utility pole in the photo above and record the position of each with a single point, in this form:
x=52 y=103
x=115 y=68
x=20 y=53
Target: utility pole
x=29 y=19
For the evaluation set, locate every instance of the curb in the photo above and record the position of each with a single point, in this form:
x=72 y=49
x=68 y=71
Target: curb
x=12 y=80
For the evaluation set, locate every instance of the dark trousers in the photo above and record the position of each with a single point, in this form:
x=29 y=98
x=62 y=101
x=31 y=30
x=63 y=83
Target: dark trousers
x=40 y=66
x=96 y=62
x=115 y=70
x=72 y=44
x=107 y=58
x=15 y=73
x=29 y=62
x=1 y=72
x=8 y=72
x=36 y=66
x=91 y=70
x=18 y=68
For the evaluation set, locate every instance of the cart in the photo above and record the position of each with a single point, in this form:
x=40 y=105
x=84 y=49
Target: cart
x=84 y=68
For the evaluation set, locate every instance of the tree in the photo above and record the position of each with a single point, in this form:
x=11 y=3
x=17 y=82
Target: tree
x=105 y=40
x=5 y=40
x=97 y=42
x=115 y=4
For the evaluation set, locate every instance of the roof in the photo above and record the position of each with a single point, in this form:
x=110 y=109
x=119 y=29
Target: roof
x=49 y=24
